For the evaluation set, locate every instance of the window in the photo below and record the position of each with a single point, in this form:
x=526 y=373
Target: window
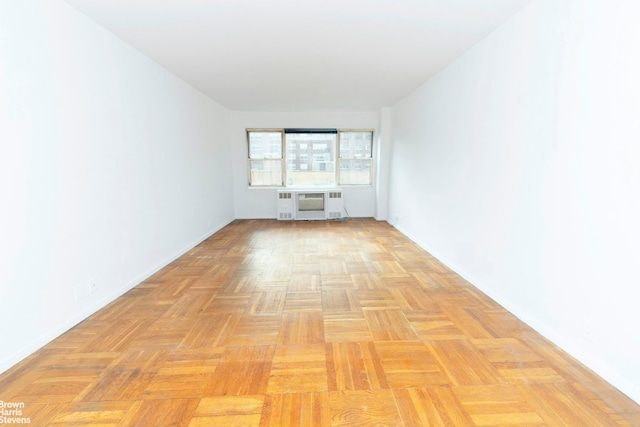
x=265 y=158
x=313 y=157
x=355 y=159
x=321 y=170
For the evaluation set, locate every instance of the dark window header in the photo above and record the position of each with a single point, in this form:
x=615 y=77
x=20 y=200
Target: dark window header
x=297 y=130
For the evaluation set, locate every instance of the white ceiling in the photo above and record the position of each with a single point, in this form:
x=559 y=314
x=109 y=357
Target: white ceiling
x=302 y=55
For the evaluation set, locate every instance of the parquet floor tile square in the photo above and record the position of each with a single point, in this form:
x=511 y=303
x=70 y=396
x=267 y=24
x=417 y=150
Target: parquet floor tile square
x=296 y=409
x=296 y=302
x=210 y=331
x=374 y=253
x=333 y=268
x=345 y=327
x=256 y=330
x=434 y=325
x=318 y=323
x=464 y=320
x=391 y=269
x=190 y=304
x=241 y=371
x=226 y=411
x=306 y=268
x=190 y=358
x=275 y=271
x=497 y=406
x=426 y=282
x=331 y=282
x=234 y=303
x=253 y=353
x=464 y=364
x=241 y=284
x=163 y=334
x=363 y=408
x=180 y=382
x=44 y=413
x=357 y=268
x=302 y=328
x=409 y=364
x=394 y=280
x=56 y=386
x=389 y=325
x=354 y=366
x=269 y=302
x=300 y=282
x=92 y=413
x=239 y=379
x=501 y=323
x=298 y=369
x=340 y=301
x=412 y=299
x=516 y=362
x=377 y=299
x=118 y=383
x=433 y=406
x=116 y=335
x=160 y=412
x=560 y=404
x=364 y=281
x=149 y=359
x=160 y=293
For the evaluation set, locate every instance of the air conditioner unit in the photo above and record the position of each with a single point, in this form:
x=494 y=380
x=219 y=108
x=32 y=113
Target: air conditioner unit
x=310 y=204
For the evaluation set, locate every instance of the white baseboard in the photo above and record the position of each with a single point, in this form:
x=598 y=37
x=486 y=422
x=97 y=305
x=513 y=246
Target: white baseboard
x=563 y=341
x=53 y=333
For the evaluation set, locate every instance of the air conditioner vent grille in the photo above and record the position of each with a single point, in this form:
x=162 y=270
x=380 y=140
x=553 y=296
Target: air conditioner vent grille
x=311 y=204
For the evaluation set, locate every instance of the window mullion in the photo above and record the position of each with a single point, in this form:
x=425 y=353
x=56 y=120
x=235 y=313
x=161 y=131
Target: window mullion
x=285 y=154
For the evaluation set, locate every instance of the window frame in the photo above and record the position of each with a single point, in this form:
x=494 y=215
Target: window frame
x=338 y=161
x=282 y=157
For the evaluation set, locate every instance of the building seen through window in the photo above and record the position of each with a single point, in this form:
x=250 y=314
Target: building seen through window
x=310 y=158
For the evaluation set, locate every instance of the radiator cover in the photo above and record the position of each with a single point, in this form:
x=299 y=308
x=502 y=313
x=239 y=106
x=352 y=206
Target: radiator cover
x=310 y=204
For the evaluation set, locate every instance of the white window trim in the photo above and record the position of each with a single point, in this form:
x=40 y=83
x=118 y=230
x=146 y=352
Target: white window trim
x=282 y=157
x=337 y=160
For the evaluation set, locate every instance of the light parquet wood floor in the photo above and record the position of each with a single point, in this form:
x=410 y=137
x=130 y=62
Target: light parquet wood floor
x=272 y=323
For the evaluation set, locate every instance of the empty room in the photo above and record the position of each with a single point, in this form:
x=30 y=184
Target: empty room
x=339 y=213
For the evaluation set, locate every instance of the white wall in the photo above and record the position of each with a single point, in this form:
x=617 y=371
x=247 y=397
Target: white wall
x=383 y=164
x=109 y=168
x=261 y=203
x=519 y=166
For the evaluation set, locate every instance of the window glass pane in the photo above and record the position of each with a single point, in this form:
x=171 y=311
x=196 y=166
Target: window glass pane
x=311 y=158
x=355 y=172
x=355 y=145
x=314 y=161
x=266 y=172
x=265 y=145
